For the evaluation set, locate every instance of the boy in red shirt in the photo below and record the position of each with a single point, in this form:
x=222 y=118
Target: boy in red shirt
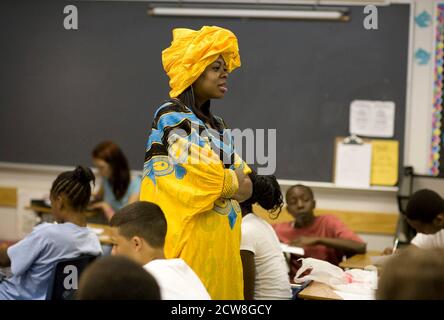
x=322 y=237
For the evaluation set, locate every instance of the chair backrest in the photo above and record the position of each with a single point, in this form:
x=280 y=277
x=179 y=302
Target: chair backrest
x=65 y=276
x=404 y=232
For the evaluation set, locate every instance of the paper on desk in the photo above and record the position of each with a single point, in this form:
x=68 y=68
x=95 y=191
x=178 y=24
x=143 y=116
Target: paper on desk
x=290 y=249
x=354 y=296
x=362 y=286
x=350 y=284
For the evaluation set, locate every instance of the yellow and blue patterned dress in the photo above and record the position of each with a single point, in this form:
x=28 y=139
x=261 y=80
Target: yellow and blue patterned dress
x=185 y=176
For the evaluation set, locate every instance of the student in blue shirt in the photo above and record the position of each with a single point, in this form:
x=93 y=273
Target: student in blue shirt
x=118 y=189
x=32 y=259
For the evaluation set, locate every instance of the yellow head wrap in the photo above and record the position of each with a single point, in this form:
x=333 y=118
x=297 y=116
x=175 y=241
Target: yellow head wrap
x=192 y=51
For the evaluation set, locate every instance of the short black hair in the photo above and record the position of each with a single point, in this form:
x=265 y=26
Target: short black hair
x=117 y=278
x=424 y=205
x=308 y=189
x=143 y=219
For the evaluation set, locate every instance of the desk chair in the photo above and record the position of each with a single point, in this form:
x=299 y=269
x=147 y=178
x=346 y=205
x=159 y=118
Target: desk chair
x=56 y=288
x=404 y=232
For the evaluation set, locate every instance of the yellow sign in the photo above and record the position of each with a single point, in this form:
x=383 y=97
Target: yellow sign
x=385 y=156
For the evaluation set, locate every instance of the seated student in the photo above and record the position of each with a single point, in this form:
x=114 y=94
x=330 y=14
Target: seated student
x=264 y=266
x=117 y=278
x=32 y=259
x=425 y=213
x=423 y=279
x=117 y=189
x=322 y=237
x=139 y=233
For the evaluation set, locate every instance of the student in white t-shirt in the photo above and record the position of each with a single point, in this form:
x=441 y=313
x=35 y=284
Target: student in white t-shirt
x=425 y=213
x=139 y=233
x=264 y=266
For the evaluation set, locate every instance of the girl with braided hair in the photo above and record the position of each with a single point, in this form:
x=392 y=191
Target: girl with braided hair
x=32 y=259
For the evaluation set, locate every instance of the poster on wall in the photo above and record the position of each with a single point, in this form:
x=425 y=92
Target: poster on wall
x=372 y=118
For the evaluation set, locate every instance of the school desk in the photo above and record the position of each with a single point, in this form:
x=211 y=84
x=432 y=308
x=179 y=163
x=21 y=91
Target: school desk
x=103 y=237
x=44 y=213
x=359 y=261
x=38 y=209
x=318 y=291
x=321 y=291
x=42 y=209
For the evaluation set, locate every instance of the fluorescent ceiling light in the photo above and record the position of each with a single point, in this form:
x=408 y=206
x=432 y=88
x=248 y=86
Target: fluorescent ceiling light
x=250 y=13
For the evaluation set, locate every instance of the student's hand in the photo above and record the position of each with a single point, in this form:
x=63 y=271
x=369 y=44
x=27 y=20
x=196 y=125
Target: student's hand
x=245 y=186
x=305 y=241
x=241 y=176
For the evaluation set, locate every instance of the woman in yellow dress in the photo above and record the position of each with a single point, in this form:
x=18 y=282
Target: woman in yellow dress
x=191 y=170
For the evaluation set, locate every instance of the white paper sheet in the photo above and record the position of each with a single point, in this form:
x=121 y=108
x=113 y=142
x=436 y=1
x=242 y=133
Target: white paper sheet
x=354 y=296
x=290 y=249
x=372 y=118
x=353 y=165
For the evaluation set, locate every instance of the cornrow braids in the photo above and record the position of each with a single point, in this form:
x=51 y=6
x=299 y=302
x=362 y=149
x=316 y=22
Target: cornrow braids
x=75 y=186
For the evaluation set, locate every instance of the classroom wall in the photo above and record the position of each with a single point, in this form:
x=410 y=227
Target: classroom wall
x=420 y=91
x=35 y=180
x=32 y=182
x=329 y=65
x=8 y=225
